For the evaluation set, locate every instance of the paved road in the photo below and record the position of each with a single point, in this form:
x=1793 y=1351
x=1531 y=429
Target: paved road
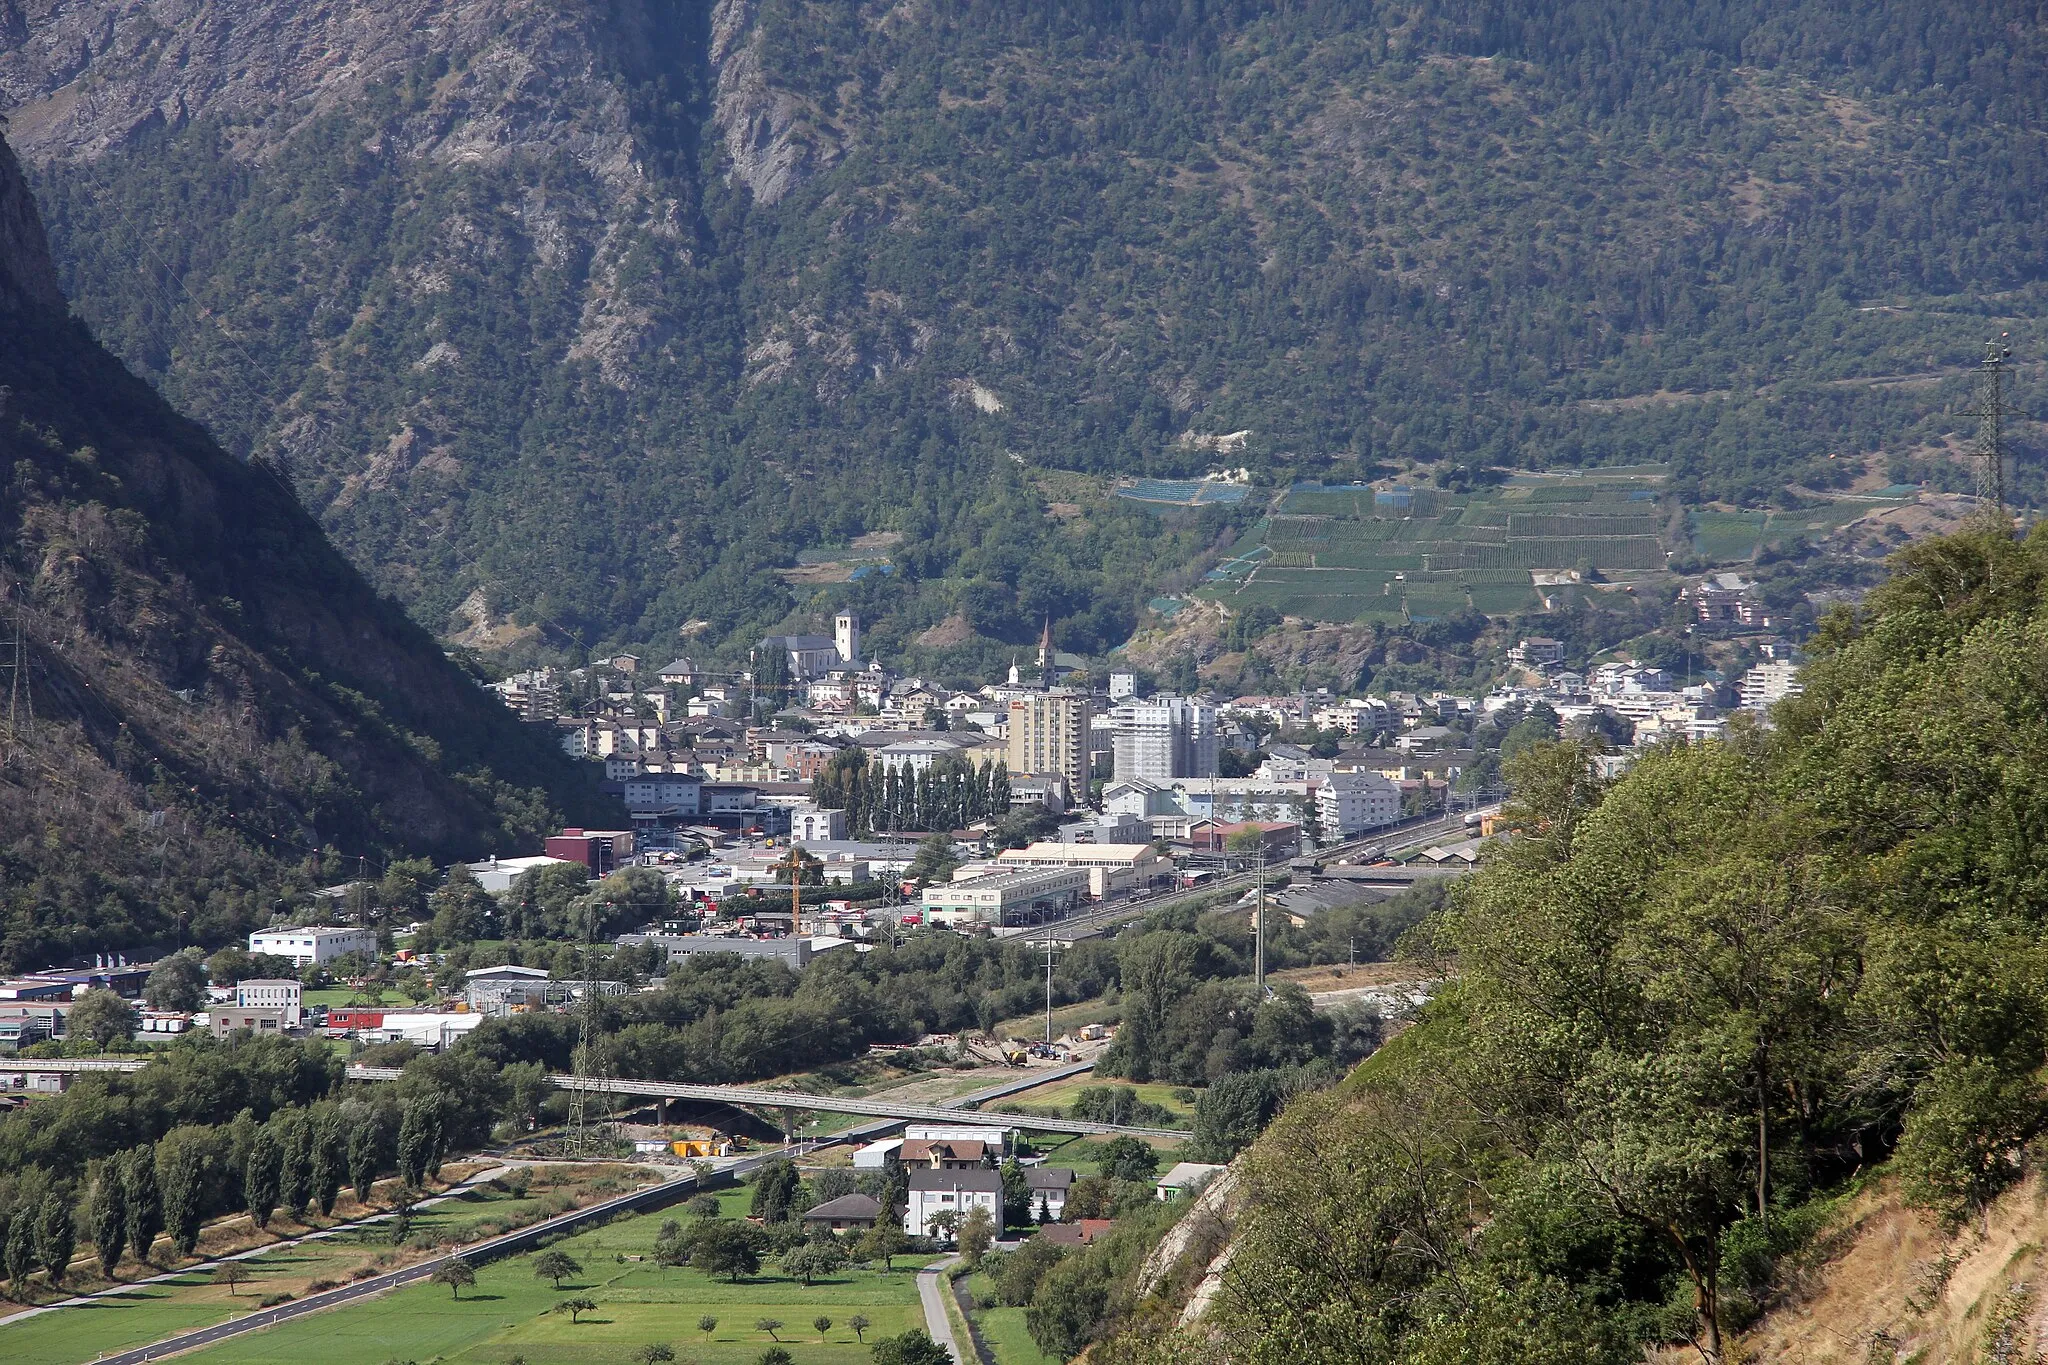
x=931 y=1290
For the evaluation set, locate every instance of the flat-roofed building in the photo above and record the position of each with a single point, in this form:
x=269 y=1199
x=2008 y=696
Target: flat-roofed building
x=1109 y=867
x=1049 y=734
x=257 y=993
x=1030 y=895
x=313 y=945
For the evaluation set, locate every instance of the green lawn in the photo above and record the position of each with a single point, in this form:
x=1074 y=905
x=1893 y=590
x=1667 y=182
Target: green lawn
x=1003 y=1328
x=1063 y=1093
x=507 y=1314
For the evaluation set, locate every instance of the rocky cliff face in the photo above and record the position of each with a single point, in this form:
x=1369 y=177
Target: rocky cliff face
x=28 y=278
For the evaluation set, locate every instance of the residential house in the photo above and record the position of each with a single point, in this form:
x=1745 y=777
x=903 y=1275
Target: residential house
x=934 y=1192
x=1049 y=1186
x=847 y=1213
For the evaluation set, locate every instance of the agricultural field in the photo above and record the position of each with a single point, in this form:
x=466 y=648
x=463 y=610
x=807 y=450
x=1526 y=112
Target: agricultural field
x=1360 y=553
x=509 y=1313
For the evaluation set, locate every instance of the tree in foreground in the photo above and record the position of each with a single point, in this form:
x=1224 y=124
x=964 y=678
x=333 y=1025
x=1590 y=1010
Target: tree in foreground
x=823 y=1324
x=576 y=1308
x=103 y=1016
x=883 y=1242
x=21 y=1253
x=768 y=1325
x=707 y=1324
x=455 y=1272
x=260 y=1176
x=145 y=1206
x=56 y=1235
x=109 y=1214
x=859 y=1325
x=775 y=1355
x=655 y=1353
x=726 y=1247
x=914 y=1347
x=230 y=1273
x=557 y=1265
x=812 y=1260
x=977 y=1234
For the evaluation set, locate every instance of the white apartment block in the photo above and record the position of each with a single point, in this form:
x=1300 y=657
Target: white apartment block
x=313 y=946
x=1164 y=738
x=1768 y=684
x=1351 y=803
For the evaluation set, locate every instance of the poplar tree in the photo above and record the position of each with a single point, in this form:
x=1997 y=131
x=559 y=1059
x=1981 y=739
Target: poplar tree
x=329 y=1159
x=181 y=1175
x=260 y=1176
x=56 y=1235
x=362 y=1159
x=295 y=1167
x=109 y=1211
x=145 y=1206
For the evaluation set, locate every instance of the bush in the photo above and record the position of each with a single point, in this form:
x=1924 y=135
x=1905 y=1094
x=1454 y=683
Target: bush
x=273 y=1300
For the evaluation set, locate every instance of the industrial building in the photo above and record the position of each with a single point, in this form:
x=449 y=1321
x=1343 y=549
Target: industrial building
x=1025 y=895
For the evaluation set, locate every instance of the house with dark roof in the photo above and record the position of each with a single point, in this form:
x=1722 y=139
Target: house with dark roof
x=849 y=1212
x=937 y=1192
x=1049 y=1186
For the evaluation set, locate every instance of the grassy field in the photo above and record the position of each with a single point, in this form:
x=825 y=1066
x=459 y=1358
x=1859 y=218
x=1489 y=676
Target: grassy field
x=1064 y=1093
x=507 y=1314
x=1003 y=1328
x=1725 y=537
x=150 y=1312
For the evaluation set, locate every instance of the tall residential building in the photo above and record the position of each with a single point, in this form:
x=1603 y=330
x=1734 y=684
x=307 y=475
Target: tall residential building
x=1049 y=734
x=1164 y=738
x=1765 y=685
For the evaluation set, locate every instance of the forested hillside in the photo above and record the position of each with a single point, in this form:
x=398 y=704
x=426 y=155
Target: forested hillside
x=590 y=316
x=203 y=709
x=1685 y=1020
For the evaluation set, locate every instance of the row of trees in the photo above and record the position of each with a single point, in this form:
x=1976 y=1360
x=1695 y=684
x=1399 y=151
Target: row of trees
x=950 y=794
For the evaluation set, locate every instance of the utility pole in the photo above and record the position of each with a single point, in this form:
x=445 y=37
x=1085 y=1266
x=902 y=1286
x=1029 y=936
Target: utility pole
x=1259 y=952
x=1990 y=413
x=584 y=1139
x=1052 y=946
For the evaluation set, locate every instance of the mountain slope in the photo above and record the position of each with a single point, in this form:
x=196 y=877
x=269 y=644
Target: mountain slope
x=208 y=707
x=591 y=315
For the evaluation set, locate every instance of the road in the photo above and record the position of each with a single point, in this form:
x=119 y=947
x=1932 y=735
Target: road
x=931 y=1291
x=753 y=1097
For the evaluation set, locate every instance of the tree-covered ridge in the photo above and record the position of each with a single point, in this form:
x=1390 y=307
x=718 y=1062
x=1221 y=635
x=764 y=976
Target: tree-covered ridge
x=1685 y=1009
x=1066 y=235
x=207 y=708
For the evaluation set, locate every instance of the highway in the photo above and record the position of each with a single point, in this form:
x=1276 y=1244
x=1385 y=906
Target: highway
x=880 y=1108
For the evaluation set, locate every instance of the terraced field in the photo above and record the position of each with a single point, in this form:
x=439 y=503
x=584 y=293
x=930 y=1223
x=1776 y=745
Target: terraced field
x=1357 y=553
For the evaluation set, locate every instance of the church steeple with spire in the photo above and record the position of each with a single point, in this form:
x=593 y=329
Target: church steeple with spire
x=1048 y=672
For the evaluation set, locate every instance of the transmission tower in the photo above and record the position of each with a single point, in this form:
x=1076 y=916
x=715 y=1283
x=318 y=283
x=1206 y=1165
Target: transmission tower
x=586 y=1138
x=1990 y=413
x=21 y=709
